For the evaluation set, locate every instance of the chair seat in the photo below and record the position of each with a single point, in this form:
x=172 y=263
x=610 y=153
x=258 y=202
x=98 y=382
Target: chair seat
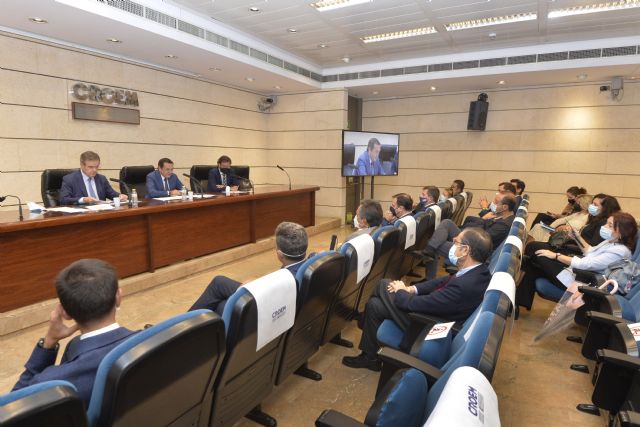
x=389 y=334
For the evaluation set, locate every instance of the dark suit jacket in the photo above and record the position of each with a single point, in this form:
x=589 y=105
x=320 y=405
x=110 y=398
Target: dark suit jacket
x=215 y=179
x=73 y=188
x=155 y=184
x=422 y=207
x=79 y=362
x=498 y=228
x=455 y=302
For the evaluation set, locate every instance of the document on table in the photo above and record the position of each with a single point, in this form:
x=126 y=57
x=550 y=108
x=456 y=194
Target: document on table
x=66 y=209
x=100 y=207
x=168 y=198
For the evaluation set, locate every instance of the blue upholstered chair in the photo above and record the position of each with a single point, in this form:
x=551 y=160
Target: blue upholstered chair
x=161 y=375
x=51 y=404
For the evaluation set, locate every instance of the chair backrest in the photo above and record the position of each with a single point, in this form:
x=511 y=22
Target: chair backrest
x=480 y=351
x=635 y=257
x=319 y=279
x=135 y=177
x=425 y=225
x=247 y=376
x=446 y=209
x=161 y=375
x=50 y=184
x=386 y=240
x=241 y=171
x=348 y=154
x=402 y=401
x=51 y=403
x=495 y=255
x=461 y=207
x=200 y=175
x=387 y=152
x=395 y=261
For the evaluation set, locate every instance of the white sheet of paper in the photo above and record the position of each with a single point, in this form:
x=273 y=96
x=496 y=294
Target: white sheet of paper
x=275 y=296
x=34 y=207
x=439 y=330
x=168 y=198
x=66 y=209
x=100 y=207
x=410 y=223
x=566 y=277
x=635 y=330
x=365 y=248
x=203 y=196
x=438 y=211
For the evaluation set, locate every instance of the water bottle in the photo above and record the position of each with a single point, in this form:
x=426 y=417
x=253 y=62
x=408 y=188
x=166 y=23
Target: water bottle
x=227 y=190
x=183 y=193
x=134 y=198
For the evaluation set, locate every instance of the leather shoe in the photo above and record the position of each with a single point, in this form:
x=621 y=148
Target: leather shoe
x=362 y=361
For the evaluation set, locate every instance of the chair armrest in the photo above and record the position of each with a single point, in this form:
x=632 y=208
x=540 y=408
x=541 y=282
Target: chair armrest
x=618 y=359
x=622 y=340
x=588 y=276
x=599 y=331
x=402 y=360
x=615 y=378
x=592 y=292
x=331 y=418
x=605 y=318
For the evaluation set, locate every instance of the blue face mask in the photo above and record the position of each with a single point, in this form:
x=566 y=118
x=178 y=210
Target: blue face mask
x=423 y=200
x=493 y=207
x=593 y=210
x=441 y=199
x=606 y=233
x=453 y=258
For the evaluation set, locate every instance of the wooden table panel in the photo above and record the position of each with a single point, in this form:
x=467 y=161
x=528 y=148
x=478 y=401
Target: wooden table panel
x=271 y=212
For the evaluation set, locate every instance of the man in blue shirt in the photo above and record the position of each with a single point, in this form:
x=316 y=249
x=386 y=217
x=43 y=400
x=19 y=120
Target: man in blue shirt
x=369 y=161
x=163 y=182
x=291 y=250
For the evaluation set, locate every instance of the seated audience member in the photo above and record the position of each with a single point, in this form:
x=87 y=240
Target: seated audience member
x=498 y=227
x=446 y=194
x=618 y=241
x=519 y=185
x=291 y=250
x=401 y=205
x=549 y=217
x=89 y=295
x=428 y=197
x=503 y=187
x=574 y=221
x=453 y=298
x=457 y=187
x=87 y=185
x=367 y=219
x=221 y=177
x=369 y=161
x=163 y=182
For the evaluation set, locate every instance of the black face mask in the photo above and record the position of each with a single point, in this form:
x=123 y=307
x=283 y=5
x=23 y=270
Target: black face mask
x=393 y=211
x=225 y=171
x=571 y=201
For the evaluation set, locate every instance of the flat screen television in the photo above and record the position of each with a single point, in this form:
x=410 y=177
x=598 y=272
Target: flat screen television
x=370 y=153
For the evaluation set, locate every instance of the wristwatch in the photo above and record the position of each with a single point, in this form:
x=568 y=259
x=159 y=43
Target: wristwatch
x=41 y=345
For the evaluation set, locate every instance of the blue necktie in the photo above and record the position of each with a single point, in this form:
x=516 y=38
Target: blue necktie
x=91 y=192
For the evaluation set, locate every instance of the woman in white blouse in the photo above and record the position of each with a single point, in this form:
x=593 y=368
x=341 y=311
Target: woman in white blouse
x=566 y=223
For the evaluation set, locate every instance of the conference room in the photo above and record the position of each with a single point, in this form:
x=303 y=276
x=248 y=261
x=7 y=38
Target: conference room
x=342 y=212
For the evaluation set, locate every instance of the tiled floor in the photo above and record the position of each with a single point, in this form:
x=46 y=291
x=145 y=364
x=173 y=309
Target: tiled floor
x=533 y=381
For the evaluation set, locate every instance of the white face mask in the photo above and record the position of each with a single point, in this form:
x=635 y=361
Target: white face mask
x=355 y=222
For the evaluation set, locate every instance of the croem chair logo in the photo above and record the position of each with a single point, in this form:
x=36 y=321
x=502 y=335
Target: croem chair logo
x=476 y=404
x=278 y=313
x=104 y=95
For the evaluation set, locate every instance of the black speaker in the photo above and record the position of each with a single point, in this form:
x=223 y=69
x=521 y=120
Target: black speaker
x=478 y=111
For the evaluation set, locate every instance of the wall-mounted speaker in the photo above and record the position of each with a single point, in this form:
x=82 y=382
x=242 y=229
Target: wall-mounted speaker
x=478 y=111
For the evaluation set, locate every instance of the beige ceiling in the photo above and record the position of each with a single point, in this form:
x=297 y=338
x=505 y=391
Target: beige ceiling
x=341 y=29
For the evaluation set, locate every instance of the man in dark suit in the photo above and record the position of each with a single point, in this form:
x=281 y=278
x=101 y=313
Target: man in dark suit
x=291 y=251
x=367 y=219
x=428 y=197
x=163 y=182
x=453 y=298
x=401 y=206
x=89 y=295
x=221 y=177
x=87 y=185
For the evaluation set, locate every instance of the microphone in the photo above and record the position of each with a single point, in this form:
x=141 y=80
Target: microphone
x=124 y=184
x=196 y=182
x=282 y=169
x=253 y=188
x=2 y=199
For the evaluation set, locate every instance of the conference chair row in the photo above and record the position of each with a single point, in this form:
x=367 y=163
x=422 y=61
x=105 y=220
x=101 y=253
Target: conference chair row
x=131 y=177
x=430 y=385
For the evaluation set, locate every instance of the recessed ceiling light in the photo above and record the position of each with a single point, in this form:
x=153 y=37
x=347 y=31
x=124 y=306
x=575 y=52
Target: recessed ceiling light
x=594 y=8
x=38 y=20
x=277 y=87
x=399 y=34
x=292 y=30
x=324 y=5
x=171 y=56
x=495 y=20
x=346 y=59
x=215 y=69
x=375 y=92
x=501 y=82
x=323 y=45
x=433 y=88
x=249 y=79
x=582 y=76
x=254 y=9
x=114 y=40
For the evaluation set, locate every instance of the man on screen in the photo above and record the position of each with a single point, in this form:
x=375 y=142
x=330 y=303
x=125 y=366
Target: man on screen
x=369 y=161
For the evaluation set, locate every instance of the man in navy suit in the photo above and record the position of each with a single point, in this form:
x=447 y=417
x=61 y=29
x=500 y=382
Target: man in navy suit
x=87 y=185
x=291 y=250
x=369 y=161
x=221 y=177
x=453 y=298
x=163 y=182
x=89 y=295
